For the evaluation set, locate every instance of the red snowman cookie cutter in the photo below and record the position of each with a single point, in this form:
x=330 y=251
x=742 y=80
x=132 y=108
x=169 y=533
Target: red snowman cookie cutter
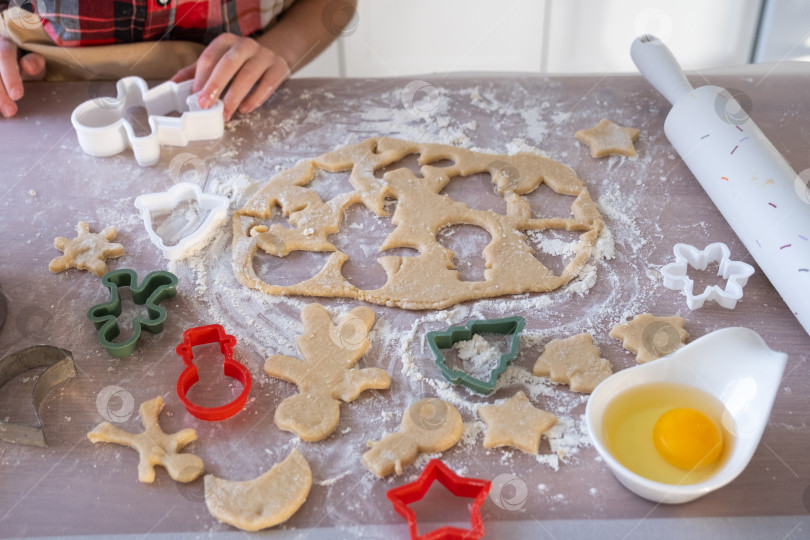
x=202 y=335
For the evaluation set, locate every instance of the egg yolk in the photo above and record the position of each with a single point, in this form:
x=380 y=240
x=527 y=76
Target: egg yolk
x=687 y=438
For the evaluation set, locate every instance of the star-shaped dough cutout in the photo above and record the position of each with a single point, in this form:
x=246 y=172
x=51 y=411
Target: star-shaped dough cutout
x=88 y=251
x=574 y=361
x=515 y=422
x=651 y=337
x=608 y=138
x=154 y=446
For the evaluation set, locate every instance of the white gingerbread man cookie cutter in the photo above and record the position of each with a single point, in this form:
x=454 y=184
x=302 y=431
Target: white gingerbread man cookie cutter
x=736 y=274
x=103 y=129
x=215 y=205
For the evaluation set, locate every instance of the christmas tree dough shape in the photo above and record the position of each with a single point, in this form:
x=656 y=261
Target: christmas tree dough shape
x=428 y=280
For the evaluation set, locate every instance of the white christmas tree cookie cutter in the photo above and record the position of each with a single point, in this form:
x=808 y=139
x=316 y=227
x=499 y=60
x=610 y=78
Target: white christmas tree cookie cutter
x=736 y=274
x=104 y=130
x=215 y=205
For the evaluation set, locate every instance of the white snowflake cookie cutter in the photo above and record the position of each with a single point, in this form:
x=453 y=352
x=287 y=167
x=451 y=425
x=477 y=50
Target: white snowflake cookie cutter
x=103 y=129
x=215 y=205
x=736 y=274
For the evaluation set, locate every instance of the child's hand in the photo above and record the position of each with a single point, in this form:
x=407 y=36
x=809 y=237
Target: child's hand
x=12 y=74
x=241 y=64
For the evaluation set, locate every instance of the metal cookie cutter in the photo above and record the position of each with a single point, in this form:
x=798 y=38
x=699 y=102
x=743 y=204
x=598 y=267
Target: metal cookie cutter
x=201 y=335
x=436 y=470
x=215 y=205
x=735 y=272
x=60 y=367
x=444 y=340
x=104 y=130
x=155 y=287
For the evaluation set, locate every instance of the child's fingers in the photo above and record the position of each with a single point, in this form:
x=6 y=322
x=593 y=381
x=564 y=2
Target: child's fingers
x=33 y=66
x=231 y=63
x=269 y=83
x=185 y=73
x=208 y=60
x=252 y=73
x=11 y=88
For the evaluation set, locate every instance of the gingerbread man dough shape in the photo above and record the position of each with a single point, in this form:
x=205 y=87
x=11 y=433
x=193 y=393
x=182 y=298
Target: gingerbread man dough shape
x=154 y=446
x=326 y=376
x=429 y=425
x=87 y=251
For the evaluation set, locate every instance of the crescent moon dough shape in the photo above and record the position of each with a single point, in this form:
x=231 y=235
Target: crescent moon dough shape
x=263 y=502
x=429 y=280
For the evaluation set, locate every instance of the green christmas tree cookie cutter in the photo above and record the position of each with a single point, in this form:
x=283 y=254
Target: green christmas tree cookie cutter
x=155 y=287
x=445 y=339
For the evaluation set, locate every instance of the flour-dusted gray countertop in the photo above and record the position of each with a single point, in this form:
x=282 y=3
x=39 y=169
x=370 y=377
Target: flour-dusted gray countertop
x=74 y=488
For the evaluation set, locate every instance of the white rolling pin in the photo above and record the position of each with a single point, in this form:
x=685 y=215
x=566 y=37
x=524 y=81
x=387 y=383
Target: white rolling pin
x=762 y=198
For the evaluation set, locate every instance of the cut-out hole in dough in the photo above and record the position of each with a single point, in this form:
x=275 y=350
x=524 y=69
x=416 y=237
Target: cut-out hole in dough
x=179 y=222
x=468 y=243
x=329 y=185
x=360 y=236
x=476 y=191
x=547 y=203
x=139 y=118
x=411 y=162
x=296 y=267
x=277 y=219
x=554 y=248
x=213 y=389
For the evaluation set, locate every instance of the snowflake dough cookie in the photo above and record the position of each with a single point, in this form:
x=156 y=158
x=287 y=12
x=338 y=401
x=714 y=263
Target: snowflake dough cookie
x=428 y=280
x=515 y=422
x=574 y=361
x=326 y=375
x=651 y=337
x=87 y=251
x=263 y=502
x=609 y=138
x=154 y=446
x=429 y=425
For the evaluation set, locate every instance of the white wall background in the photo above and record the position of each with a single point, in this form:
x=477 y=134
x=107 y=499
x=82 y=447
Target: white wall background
x=408 y=37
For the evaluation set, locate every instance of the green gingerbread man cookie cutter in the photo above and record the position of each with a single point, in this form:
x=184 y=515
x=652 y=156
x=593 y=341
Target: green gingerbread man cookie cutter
x=155 y=287
x=438 y=340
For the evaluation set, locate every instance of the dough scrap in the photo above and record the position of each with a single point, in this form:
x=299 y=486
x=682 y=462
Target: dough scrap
x=515 y=422
x=608 y=138
x=651 y=337
x=574 y=361
x=154 y=446
x=263 y=502
x=88 y=251
x=428 y=280
x=428 y=425
x=325 y=376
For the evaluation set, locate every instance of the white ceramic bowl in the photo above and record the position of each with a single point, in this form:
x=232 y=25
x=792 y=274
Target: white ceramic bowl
x=734 y=365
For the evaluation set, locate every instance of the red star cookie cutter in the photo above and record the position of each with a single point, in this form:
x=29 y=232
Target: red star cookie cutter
x=202 y=335
x=459 y=486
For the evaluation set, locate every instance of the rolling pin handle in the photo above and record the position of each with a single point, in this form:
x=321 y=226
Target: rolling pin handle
x=655 y=61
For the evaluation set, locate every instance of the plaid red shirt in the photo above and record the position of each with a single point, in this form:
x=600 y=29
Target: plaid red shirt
x=74 y=23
